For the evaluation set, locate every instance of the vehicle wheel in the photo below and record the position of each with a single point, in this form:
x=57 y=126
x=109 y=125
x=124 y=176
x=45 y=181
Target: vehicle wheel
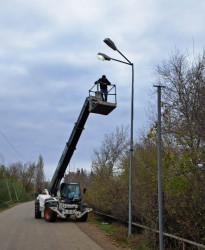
x=37 y=210
x=67 y=217
x=50 y=215
x=83 y=218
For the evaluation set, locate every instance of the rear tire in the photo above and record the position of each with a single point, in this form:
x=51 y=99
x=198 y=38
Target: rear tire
x=37 y=210
x=49 y=215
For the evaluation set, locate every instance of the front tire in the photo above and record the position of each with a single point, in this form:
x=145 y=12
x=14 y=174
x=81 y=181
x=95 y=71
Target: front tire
x=49 y=215
x=37 y=210
x=83 y=218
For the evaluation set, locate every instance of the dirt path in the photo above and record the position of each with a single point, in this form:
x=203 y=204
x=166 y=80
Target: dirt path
x=19 y=230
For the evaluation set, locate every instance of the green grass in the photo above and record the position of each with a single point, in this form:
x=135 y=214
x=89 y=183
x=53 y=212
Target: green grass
x=3 y=205
x=118 y=233
x=108 y=228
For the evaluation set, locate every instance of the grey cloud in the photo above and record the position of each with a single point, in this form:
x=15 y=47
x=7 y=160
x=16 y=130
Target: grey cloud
x=48 y=63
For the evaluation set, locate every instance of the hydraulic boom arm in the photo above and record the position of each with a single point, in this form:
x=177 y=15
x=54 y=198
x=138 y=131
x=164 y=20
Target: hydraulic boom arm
x=92 y=104
x=69 y=148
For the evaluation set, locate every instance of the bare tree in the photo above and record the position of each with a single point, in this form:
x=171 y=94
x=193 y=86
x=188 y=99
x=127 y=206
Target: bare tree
x=184 y=96
x=183 y=143
x=108 y=157
x=39 y=175
x=80 y=176
x=24 y=173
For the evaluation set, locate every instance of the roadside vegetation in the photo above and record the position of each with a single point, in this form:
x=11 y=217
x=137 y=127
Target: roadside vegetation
x=20 y=182
x=183 y=159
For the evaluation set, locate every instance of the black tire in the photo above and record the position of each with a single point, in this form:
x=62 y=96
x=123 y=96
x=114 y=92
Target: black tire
x=67 y=217
x=49 y=215
x=83 y=218
x=37 y=210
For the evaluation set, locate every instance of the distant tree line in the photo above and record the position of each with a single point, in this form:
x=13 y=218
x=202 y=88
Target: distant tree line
x=183 y=158
x=30 y=174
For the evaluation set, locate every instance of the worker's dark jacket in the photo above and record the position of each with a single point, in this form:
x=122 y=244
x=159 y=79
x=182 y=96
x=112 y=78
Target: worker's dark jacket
x=103 y=83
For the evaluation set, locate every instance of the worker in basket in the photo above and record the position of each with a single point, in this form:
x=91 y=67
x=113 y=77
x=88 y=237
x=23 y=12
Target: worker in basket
x=103 y=81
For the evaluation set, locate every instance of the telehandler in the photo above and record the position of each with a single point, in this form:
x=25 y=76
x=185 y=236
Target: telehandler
x=64 y=199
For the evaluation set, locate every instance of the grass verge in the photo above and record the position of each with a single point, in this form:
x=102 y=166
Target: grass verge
x=118 y=233
x=6 y=205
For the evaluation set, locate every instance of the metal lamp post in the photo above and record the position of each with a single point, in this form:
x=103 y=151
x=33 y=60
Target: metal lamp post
x=104 y=57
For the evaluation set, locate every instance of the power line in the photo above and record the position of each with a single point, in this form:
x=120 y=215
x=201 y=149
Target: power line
x=11 y=145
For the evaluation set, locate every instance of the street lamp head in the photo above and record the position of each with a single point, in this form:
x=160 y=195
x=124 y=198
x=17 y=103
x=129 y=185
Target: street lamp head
x=103 y=57
x=110 y=43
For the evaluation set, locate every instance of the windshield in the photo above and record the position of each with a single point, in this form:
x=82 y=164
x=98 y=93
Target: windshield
x=70 y=191
x=73 y=191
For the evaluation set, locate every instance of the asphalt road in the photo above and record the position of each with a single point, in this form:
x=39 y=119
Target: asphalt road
x=20 y=231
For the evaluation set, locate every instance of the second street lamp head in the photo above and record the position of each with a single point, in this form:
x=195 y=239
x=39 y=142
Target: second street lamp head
x=103 y=57
x=110 y=43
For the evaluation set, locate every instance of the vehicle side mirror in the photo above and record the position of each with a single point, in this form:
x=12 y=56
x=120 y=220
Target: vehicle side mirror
x=84 y=190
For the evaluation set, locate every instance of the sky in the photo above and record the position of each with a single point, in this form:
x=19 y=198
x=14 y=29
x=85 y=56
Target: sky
x=48 y=63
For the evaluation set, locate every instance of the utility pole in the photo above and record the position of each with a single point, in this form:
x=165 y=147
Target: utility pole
x=15 y=192
x=159 y=161
x=8 y=190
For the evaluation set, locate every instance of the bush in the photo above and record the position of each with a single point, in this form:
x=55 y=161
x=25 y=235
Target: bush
x=12 y=191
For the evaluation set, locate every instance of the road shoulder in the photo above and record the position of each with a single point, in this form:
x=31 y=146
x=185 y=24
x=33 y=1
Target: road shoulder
x=99 y=236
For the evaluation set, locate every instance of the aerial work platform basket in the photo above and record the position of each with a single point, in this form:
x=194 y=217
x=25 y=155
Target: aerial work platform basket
x=96 y=103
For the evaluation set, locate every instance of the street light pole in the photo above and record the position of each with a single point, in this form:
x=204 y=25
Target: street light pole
x=103 y=57
x=131 y=155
